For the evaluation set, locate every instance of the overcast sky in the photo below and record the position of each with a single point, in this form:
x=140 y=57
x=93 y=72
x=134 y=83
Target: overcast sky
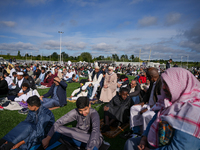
x=169 y=28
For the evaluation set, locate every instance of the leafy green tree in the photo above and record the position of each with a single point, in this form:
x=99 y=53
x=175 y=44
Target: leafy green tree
x=115 y=57
x=86 y=57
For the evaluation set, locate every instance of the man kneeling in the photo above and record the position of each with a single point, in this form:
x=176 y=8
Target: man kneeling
x=32 y=130
x=117 y=110
x=85 y=134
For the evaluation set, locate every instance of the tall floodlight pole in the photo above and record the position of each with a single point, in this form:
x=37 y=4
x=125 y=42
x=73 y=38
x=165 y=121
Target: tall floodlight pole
x=60 y=44
x=181 y=61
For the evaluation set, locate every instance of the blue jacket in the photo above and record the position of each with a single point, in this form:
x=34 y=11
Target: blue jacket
x=179 y=141
x=33 y=129
x=61 y=93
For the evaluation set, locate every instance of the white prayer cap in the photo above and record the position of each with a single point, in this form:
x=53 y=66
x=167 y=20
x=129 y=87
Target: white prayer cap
x=96 y=67
x=110 y=68
x=84 y=88
x=20 y=73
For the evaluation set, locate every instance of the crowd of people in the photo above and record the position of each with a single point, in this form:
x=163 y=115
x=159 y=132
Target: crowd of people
x=161 y=105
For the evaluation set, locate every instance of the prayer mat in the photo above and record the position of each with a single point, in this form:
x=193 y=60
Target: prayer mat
x=94 y=100
x=71 y=100
x=114 y=130
x=56 y=144
x=52 y=108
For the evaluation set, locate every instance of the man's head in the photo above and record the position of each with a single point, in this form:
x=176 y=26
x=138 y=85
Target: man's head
x=96 y=69
x=56 y=70
x=170 y=60
x=180 y=84
x=152 y=74
x=33 y=103
x=83 y=105
x=25 y=86
x=124 y=93
x=6 y=74
x=28 y=68
x=110 y=70
x=43 y=70
x=69 y=70
x=14 y=74
x=123 y=77
x=133 y=83
x=10 y=67
x=20 y=75
x=26 y=75
x=56 y=79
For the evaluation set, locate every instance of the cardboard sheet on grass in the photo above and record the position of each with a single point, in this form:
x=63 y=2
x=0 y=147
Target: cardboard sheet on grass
x=114 y=130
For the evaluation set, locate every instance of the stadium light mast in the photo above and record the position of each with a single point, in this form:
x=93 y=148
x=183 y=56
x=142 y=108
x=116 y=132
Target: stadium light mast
x=60 y=44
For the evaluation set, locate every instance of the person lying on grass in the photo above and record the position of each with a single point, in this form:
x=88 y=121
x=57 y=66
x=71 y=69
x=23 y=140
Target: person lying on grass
x=86 y=133
x=32 y=130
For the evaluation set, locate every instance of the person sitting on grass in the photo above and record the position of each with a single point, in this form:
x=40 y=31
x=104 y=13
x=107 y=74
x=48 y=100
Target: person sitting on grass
x=57 y=93
x=3 y=85
x=23 y=97
x=48 y=81
x=175 y=126
x=32 y=130
x=79 y=92
x=75 y=78
x=117 y=110
x=86 y=133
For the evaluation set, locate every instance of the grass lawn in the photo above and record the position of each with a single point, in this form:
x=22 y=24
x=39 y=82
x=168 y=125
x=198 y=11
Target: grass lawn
x=9 y=119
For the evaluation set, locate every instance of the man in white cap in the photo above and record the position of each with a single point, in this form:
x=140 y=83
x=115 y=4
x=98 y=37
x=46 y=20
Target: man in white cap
x=14 y=93
x=109 y=89
x=95 y=78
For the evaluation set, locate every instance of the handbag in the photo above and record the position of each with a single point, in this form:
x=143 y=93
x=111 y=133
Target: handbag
x=165 y=133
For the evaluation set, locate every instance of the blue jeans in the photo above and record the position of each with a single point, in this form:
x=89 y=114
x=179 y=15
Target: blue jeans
x=136 y=99
x=50 y=102
x=74 y=142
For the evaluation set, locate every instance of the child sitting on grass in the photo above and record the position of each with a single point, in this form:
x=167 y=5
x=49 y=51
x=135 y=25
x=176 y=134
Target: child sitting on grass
x=117 y=110
x=23 y=97
x=32 y=130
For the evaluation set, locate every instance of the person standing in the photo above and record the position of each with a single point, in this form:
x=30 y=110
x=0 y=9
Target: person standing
x=168 y=64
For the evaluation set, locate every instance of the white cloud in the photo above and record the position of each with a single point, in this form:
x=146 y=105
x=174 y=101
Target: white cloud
x=172 y=18
x=32 y=33
x=20 y=46
x=8 y=23
x=148 y=21
x=55 y=45
x=3 y=36
x=192 y=46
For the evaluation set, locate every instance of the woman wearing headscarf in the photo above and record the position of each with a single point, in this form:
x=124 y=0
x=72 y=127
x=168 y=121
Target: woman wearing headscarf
x=176 y=124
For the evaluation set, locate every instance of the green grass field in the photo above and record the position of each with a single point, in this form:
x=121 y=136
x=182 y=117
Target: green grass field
x=9 y=119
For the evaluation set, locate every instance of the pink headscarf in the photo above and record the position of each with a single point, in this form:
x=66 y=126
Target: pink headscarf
x=182 y=111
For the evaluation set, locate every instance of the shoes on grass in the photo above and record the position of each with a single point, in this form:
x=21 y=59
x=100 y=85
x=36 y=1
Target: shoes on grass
x=23 y=111
x=1 y=108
